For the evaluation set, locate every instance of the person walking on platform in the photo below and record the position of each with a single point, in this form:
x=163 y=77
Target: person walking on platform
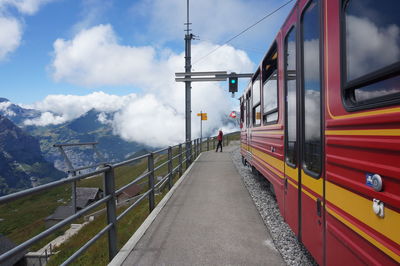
x=219 y=138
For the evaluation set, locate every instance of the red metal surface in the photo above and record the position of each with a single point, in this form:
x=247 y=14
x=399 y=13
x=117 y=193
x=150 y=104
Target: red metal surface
x=355 y=144
x=345 y=247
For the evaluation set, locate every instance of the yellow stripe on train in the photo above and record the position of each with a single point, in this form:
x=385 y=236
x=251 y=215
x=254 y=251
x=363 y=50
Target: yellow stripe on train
x=367 y=132
x=274 y=162
x=361 y=209
x=369 y=238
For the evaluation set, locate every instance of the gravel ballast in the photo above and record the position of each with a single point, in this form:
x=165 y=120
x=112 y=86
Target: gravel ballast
x=285 y=241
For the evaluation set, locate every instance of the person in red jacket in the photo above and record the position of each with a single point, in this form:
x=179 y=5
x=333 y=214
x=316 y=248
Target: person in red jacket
x=219 y=138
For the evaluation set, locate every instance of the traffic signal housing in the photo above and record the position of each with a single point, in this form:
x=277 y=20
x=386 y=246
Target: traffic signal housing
x=233 y=84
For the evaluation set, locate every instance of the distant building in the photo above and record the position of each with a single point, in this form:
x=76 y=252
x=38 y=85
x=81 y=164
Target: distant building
x=87 y=195
x=84 y=197
x=59 y=214
x=128 y=193
x=6 y=245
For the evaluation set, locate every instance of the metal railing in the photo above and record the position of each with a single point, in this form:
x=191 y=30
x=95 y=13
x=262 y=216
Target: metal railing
x=192 y=149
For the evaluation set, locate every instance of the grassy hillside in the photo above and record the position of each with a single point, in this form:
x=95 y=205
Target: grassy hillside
x=24 y=218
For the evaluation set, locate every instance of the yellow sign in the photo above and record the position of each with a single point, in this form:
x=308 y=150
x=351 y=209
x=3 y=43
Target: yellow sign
x=258 y=115
x=203 y=116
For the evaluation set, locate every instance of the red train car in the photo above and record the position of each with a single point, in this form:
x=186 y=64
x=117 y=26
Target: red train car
x=321 y=121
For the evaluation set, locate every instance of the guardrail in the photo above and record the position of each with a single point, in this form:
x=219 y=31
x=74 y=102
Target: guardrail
x=192 y=149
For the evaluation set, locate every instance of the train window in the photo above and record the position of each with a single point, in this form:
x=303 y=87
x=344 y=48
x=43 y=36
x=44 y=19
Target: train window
x=270 y=87
x=248 y=109
x=242 y=108
x=290 y=85
x=257 y=115
x=311 y=93
x=371 y=59
x=256 y=101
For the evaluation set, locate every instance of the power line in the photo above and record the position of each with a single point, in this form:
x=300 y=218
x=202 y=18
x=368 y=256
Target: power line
x=243 y=31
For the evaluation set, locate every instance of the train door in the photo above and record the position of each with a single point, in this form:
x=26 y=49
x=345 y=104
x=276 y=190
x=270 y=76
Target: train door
x=291 y=179
x=310 y=134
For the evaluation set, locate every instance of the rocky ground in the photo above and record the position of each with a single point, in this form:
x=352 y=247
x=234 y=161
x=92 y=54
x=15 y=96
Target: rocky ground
x=292 y=251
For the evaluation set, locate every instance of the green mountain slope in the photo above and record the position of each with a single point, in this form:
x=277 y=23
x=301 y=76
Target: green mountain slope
x=21 y=162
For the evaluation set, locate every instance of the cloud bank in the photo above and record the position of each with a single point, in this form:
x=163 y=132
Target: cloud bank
x=94 y=57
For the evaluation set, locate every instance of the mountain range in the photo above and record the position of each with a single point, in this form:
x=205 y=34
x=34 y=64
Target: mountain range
x=21 y=162
x=89 y=127
x=39 y=141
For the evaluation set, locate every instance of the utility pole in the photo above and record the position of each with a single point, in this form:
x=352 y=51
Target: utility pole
x=201 y=125
x=188 y=68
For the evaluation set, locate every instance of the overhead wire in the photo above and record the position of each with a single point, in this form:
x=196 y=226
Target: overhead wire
x=243 y=31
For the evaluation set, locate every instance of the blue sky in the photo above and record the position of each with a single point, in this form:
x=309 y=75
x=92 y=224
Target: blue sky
x=24 y=72
x=64 y=57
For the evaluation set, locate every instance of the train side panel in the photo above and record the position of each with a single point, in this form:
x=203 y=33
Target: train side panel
x=359 y=144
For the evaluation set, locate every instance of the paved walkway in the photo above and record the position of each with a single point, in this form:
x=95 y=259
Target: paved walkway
x=209 y=220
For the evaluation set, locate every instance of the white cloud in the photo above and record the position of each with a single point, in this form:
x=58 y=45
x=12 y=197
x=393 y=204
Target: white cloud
x=10 y=35
x=10 y=27
x=28 y=7
x=370 y=47
x=95 y=58
x=46 y=118
x=150 y=121
x=4 y=108
x=68 y=107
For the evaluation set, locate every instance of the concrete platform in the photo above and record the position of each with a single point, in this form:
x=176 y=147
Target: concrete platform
x=210 y=219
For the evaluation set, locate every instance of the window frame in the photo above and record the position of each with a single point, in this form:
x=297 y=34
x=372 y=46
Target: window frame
x=257 y=76
x=348 y=87
x=271 y=52
x=248 y=110
x=302 y=91
x=285 y=63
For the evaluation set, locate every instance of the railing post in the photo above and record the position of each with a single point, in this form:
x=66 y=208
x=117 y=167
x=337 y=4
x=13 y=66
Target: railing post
x=196 y=151
x=180 y=159
x=192 y=150
x=188 y=146
x=208 y=143
x=187 y=154
x=199 y=147
x=213 y=141
x=150 y=168
x=170 y=175
x=109 y=189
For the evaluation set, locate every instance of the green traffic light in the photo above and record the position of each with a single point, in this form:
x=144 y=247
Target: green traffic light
x=233 y=81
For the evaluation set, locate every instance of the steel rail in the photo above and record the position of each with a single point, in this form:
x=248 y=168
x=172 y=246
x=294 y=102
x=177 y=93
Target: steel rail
x=123 y=163
x=161 y=150
x=111 y=192
x=52 y=229
x=176 y=156
x=143 y=196
x=87 y=167
x=75 y=144
x=163 y=183
x=176 y=168
x=47 y=186
x=162 y=179
x=159 y=166
x=87 y=245
x=119 y=191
